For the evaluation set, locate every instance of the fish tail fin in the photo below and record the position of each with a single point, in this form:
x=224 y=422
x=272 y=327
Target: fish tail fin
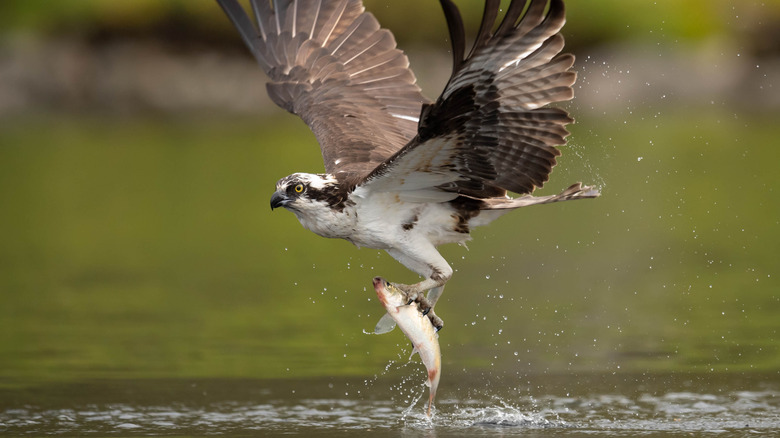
x=432 y=382
x=431 y=396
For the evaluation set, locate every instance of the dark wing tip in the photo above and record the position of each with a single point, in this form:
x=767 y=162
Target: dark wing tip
x=457 y=32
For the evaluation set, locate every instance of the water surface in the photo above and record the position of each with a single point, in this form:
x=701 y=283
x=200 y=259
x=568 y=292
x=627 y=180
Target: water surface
x=557 y=405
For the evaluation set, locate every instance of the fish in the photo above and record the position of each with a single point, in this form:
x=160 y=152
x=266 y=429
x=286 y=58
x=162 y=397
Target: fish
x=417 y=327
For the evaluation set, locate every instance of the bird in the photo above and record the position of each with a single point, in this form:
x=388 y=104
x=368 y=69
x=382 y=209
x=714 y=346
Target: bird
x=403 y=173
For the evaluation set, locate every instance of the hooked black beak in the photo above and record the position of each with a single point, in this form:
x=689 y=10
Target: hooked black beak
x=278 y=200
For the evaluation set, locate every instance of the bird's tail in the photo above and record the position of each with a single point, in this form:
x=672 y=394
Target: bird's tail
x=575 y=191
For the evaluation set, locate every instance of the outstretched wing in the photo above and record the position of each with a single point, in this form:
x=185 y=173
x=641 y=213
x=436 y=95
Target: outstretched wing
x=489 y=132
x=331 y=64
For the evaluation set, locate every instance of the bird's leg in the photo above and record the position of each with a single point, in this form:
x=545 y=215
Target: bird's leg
x=413 y=294
x=426 y=261
x=433 y=296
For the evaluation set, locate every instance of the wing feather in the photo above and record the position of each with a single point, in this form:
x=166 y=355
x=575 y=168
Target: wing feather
x=491 y=131
x=331 y=64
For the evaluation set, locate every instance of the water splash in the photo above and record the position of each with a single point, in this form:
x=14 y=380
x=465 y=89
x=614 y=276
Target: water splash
x=675 y=411
x=383 y=406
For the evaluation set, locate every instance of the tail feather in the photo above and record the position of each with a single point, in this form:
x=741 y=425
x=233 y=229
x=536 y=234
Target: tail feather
x=575 y=191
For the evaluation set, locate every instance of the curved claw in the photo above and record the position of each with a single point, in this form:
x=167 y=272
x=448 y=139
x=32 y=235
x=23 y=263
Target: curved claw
x=426 y=306
x=437 y=322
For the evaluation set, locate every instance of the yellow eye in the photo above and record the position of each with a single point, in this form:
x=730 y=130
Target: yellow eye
x=299 y=188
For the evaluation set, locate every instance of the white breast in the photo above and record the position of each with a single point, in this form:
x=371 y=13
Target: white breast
x=381 y=220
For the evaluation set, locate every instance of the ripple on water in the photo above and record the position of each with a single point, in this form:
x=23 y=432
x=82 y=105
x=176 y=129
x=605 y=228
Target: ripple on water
x=485 y=414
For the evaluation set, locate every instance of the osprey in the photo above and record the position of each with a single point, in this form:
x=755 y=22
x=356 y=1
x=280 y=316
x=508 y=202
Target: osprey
x=402 y=173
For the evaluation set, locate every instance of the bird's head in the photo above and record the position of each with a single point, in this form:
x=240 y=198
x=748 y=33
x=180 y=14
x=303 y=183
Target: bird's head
x=300 y=192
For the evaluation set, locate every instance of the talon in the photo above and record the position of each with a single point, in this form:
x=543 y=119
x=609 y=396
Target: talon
x=410 y=297
x=425 y=305
x=437 y=322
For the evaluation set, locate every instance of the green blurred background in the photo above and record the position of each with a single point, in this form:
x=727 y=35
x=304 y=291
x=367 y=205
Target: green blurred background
x=138 y=152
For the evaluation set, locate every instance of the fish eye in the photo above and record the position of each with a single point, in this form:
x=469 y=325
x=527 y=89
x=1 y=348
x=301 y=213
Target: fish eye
x=299 y=188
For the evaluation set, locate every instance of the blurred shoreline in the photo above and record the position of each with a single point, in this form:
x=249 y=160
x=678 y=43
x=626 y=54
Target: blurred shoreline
x=135 y=75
